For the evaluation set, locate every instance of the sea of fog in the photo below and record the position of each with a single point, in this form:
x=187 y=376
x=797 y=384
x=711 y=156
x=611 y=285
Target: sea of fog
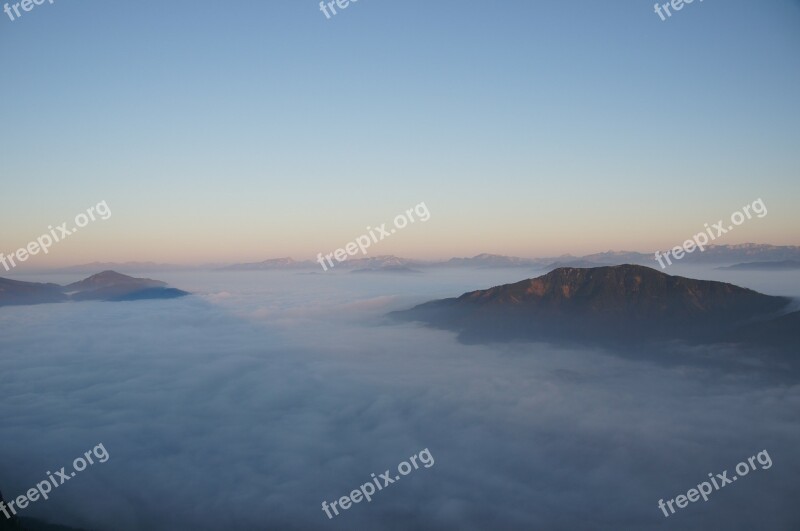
x=249 y=403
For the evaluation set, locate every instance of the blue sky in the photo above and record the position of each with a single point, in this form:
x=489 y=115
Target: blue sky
x=250 y=130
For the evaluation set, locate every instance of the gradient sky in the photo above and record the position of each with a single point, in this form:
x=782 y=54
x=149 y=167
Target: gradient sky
x=241 y=131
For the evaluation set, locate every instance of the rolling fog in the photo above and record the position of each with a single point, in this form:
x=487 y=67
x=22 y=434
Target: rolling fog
x=247 y=404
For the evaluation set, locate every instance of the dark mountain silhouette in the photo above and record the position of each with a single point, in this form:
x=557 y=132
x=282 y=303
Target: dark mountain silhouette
x=110 y=285
x=105 y=286
x=15 y=292
x=611 y=305
x=108 y=279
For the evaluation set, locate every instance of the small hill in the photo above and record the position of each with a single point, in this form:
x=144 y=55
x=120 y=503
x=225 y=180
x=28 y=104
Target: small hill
x=105 y=286
x=15 y=292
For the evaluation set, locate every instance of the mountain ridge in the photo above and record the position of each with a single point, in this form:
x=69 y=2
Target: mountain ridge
x=608 y=304
x=103 y=286
x=714 y=254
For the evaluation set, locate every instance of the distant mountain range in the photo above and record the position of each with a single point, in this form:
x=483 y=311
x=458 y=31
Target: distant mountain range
x=105 y=286
x=745 y=252
x=715 y=254
x=268 y=265
x=613 y=305
x=386 y=269
x=491 y=261
x=139 y=267
x=783 y=265
x=370 y=264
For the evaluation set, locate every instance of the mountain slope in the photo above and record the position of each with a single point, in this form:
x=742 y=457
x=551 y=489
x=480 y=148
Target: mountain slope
x=15 y=292
x=614 y=304
x=105 y=286
x=110 y=285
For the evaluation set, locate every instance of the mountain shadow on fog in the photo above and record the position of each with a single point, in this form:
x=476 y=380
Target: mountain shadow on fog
x=27 y=524
x=613 y=306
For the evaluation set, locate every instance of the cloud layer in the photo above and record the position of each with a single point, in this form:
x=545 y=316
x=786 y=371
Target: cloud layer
x=245 y=408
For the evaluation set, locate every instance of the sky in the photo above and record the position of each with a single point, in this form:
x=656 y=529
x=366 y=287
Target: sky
x=228 y=132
